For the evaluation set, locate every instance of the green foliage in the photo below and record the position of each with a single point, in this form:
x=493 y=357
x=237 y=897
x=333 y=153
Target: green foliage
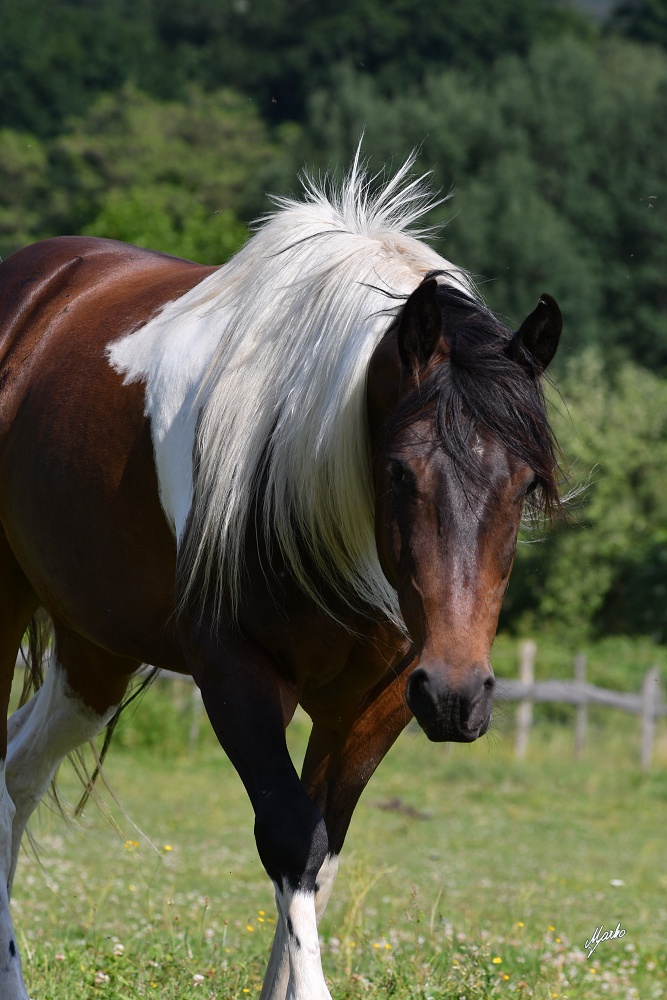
x=24 y=193
x=167 y=718
x=166 y=217
x=553 y=192
x=605 y=570
x=214 y=144
x=175 y=176
x=205 y=155
x=642 y=20
x=58 y=57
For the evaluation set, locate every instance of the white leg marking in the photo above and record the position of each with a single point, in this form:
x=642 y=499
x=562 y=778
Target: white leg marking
x=306 y=979
x=325 y=883
x=53 y=723
x=18 y=719
x=11 y=978
x=294 y=971
x=276 y=977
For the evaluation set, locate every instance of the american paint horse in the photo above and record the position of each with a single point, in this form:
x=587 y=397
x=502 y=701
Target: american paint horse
x=297 y=477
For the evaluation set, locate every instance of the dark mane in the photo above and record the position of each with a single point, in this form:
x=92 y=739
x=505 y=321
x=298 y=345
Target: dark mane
x=481 y=384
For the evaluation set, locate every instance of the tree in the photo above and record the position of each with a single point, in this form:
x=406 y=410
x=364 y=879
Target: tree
x=553 y=193
x=177 y=176
x=168 y=218
x=604 y=569
x=214 y=144
x=24 y=190
x=642 y=20
x=59 y=56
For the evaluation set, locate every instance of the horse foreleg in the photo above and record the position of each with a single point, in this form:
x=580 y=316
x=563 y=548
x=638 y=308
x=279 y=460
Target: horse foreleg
x=11 y=977
x=339 y=764
x=276 y=977
x=276 y=980
x=337 y=768
x=249 y=704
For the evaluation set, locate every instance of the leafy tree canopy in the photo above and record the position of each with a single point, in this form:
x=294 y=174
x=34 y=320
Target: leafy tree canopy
x=59 y=55
x=175 y=175
x=213 y=144
x=553 y=193
x=606 y=570
x=24 y=189
x=642 y=20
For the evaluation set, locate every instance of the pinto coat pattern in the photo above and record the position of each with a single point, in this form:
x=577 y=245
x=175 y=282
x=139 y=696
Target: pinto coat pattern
x=298 y=477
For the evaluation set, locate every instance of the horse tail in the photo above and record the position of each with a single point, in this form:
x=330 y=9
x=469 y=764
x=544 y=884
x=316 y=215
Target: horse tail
x=34 y=650
x=89 y=780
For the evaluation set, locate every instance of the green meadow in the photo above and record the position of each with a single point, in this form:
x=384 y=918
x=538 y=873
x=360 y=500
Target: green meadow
x=467 y=874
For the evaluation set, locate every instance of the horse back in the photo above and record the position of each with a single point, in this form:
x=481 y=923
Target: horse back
x=44 y=285
x=79 y=499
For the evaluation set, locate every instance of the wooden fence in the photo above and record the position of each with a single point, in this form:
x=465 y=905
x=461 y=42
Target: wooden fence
x=647 y=703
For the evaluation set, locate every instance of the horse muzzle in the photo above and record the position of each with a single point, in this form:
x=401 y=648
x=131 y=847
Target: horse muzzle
x=448 y=711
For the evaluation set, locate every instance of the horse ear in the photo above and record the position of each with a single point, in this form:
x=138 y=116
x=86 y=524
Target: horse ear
x=538 y=335
x=421 y=333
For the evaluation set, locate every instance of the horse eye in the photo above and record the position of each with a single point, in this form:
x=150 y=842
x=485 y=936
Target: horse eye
x=398 y=473
x=532 y=486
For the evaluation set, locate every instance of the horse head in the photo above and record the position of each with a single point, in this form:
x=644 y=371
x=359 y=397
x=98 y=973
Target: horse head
x=460 y=443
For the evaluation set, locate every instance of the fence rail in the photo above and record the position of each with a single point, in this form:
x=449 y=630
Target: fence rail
x=647 y=703
x=572 y=693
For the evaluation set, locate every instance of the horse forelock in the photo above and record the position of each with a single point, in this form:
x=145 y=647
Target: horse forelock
x=480 y=385
x=283 y=399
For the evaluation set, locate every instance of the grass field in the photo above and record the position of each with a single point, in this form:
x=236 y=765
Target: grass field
x=466 y=875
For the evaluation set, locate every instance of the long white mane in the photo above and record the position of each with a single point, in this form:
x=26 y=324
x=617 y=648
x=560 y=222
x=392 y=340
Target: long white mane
x=281 y=401
x=305 y=303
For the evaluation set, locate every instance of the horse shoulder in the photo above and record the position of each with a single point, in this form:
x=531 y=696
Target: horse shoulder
x=77 y=471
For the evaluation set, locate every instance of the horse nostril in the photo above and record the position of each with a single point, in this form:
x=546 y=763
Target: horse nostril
x=419 y=679
x=419 y=693
x=416 y=683
x=490 y=683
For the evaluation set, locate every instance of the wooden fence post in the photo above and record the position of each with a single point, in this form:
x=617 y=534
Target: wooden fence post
x=524 y=713
x=650 y=697
x=582 y=710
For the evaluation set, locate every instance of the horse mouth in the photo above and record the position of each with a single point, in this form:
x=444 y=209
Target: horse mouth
x=442 y=730
x=447 y=715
